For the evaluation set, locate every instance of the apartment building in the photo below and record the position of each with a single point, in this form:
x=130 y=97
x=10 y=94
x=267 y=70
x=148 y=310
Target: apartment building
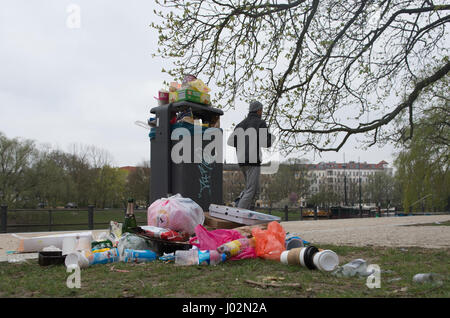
x=335 y=175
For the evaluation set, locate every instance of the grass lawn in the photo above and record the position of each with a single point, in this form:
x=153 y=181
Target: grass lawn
x=228 y=280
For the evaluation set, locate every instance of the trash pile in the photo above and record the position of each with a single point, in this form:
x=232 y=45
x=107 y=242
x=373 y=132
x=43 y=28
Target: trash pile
x=192 y=90
x=176 y=232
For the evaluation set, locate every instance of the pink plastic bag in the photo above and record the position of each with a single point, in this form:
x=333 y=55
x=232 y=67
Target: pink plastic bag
x=175 y=213
x=211 y=240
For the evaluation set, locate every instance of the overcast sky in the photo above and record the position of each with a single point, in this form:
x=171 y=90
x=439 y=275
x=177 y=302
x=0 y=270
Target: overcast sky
x=62 y=84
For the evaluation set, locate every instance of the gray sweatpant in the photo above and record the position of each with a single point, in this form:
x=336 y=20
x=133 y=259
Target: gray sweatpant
x=250 y=193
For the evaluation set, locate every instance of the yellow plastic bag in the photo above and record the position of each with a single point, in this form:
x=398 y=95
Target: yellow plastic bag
x=199 y=86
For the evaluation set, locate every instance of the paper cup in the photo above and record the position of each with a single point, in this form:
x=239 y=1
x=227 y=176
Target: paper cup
x=310 y=251
x=283 y=257
x=326 y=260
x=293 y=256
x=68 y=245
x=302 y=256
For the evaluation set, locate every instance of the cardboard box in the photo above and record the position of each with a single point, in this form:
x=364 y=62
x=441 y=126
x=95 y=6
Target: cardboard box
x=219 y=223
x=189 y=95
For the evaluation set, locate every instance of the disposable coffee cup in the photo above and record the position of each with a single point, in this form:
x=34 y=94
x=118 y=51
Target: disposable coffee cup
x=326 y=260
x=291 y=257
x=283 y=257
x=302 y=256
x=68 y=245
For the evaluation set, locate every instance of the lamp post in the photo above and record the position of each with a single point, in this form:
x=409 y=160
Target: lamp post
x=359 y=177
x=345 y=183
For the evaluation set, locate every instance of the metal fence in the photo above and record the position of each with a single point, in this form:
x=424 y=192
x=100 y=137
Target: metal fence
x=302 y=213
x=38 y=220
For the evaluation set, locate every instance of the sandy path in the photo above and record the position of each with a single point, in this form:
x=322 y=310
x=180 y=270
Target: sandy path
x=387 y=231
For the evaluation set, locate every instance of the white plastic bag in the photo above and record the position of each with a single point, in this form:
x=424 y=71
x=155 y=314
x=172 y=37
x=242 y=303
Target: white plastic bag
x=132 y=242
x=175 y=213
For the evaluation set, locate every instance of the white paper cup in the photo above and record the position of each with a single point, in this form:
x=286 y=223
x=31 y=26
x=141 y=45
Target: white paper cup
x=326 y=260
x=68 y=245
x=283 y=257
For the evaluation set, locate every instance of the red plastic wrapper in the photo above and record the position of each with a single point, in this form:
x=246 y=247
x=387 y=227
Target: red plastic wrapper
x=163 y=234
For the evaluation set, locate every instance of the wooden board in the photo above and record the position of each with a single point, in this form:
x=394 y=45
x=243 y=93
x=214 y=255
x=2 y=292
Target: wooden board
x=216 y=223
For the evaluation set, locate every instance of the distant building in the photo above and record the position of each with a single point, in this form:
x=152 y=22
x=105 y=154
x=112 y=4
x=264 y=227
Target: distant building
x=333 y=174
x=128 y=168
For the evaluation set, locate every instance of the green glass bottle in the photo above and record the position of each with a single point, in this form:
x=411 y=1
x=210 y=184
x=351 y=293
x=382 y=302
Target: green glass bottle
x=130 y=219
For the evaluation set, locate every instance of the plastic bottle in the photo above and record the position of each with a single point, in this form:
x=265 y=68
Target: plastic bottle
x=110 y=256
x=355 y=267
x=427 y=278
x=138 y=256
x=197 y=257
x=235 y=247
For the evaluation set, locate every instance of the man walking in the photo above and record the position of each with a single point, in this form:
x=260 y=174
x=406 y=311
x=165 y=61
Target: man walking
x=248 y=137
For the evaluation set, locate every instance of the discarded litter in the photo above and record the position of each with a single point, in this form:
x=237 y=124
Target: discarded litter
x=175 y=213
x=109 y=256
x=51 y=248
x=51 y=258
x=130 y=219
x=77 y=258
x=357 y=267
x=133 y=242
x=242 y=216
x=36 y=244
x=435 y=279
x=234 y=248
x=270 y=243
x=138 y=256
x=294 y=241
x=197 y=257
x=311 y=258
x=21 y=258
x=175 y=234
x=164 y=234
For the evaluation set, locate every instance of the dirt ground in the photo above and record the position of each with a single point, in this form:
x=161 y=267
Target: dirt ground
x=386 y=231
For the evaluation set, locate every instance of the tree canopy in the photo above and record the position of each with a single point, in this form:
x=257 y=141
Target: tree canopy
x=325 y=70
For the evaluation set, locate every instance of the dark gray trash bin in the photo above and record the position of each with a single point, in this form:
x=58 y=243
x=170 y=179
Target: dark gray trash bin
x=199 y=180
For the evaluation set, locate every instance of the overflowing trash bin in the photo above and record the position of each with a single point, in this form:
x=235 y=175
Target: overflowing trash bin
x=196 y=177
x=185 y=194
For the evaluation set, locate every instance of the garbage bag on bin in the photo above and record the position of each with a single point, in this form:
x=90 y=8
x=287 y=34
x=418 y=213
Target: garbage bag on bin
x=176 y=213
